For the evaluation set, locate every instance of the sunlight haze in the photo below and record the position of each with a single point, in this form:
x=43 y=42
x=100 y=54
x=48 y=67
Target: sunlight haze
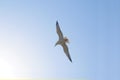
x=28 y=35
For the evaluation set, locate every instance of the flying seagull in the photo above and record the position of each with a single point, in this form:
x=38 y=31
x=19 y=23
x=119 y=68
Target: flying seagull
x=62 y=41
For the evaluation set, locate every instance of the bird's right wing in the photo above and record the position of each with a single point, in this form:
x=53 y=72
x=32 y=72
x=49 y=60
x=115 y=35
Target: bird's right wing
x=65 y=48
x=59 y=32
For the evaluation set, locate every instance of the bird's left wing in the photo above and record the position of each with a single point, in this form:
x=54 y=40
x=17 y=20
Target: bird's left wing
x=59 y=32
x=65 y=48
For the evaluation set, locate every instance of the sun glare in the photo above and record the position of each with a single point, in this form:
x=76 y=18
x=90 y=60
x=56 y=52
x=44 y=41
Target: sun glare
x=6 y=70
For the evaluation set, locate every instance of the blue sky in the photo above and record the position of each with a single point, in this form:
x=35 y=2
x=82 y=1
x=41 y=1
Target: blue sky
x=28 y=35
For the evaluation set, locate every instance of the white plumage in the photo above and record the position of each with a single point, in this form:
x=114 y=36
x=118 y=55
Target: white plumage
x=62 y=41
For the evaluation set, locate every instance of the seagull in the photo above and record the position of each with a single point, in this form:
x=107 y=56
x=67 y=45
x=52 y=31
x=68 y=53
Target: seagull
x=62 y=41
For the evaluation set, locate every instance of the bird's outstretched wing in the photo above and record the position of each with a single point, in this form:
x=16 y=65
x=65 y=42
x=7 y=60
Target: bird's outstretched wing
x=59 y=32
x=65 y=48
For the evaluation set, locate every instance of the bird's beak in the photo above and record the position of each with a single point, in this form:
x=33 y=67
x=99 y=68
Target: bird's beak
x=55 y=45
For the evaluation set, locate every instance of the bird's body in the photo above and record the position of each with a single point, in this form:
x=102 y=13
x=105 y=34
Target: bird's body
x=62 y=41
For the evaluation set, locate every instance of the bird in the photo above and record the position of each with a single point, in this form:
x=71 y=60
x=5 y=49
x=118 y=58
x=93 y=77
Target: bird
x=62 y=41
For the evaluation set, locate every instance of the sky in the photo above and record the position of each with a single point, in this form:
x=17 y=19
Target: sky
x=28 y=35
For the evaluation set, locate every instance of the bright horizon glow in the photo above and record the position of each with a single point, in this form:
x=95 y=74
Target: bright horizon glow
x=6 y=70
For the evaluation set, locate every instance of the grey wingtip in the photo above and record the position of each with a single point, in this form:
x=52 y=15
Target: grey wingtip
x=71 y=60
x=56 y=22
